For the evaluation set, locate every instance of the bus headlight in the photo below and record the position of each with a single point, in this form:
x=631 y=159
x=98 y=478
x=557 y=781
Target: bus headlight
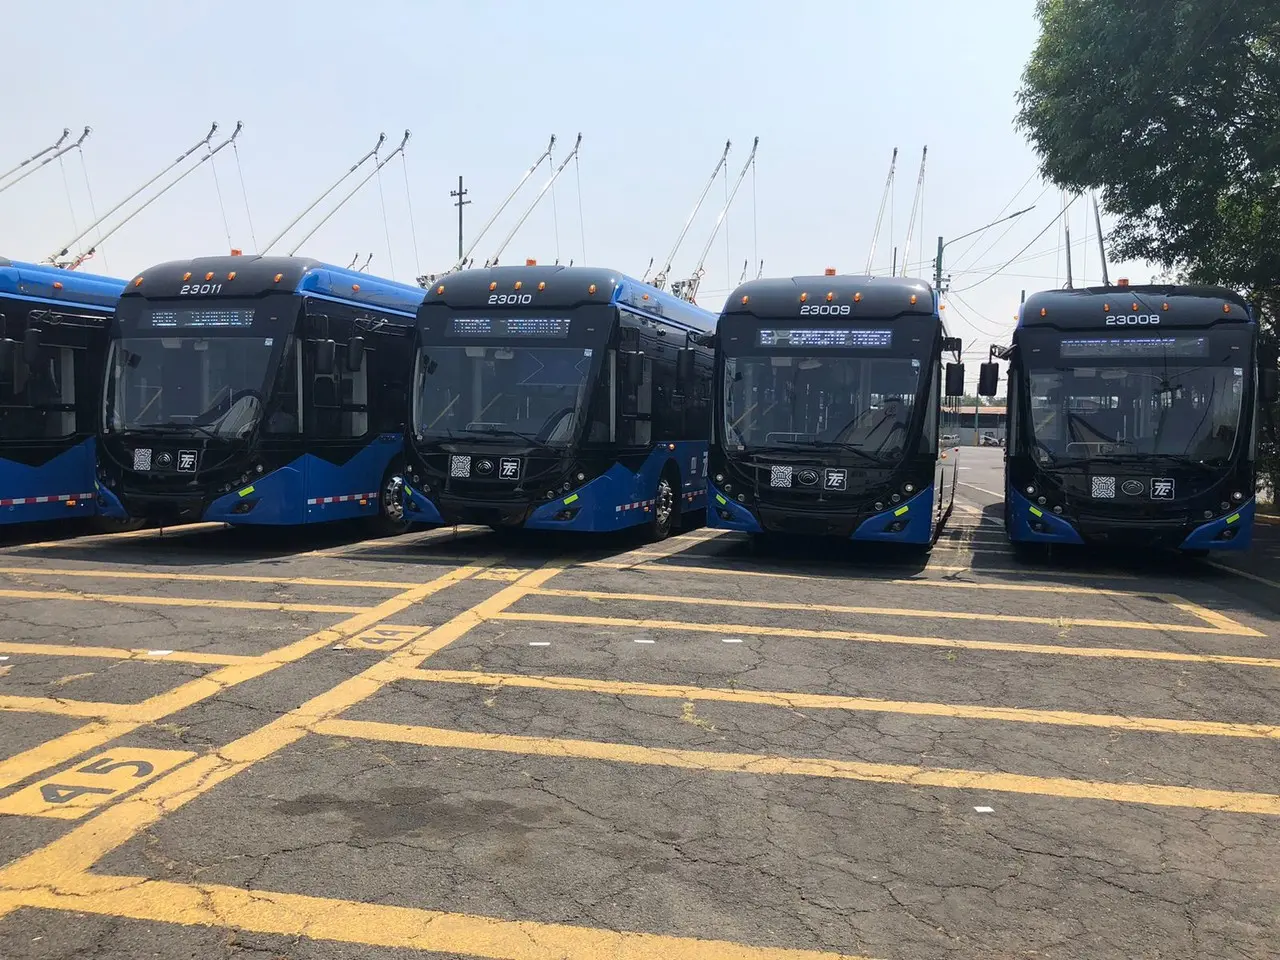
x=1057 y=509
x=581 y=476
x=909 y=488
x=719 y=478
x=1208 y=514
x=1041 y=500
x=1031 y=491
x=895 y=498
x=1224 y=505
x=879 y=505
x=742 y=498
x=1237 y=496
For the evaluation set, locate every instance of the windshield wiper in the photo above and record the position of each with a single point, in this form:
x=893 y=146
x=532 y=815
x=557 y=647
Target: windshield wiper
x=824 y=446
x=174 y=428
x=526 y=437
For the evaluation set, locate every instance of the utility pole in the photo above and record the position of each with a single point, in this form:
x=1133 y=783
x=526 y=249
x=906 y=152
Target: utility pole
x=937 y=263
x=459 y=193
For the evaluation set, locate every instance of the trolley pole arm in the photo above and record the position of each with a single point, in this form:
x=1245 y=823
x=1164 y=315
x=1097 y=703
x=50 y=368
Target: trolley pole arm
x=337 y=183
x=62 y=252
x=173 y=183
x=541 y=193
x=462 y=260
x=49 y=159
x=66 y=132
x=660 y=280
x=884 y=200
x=354 y=190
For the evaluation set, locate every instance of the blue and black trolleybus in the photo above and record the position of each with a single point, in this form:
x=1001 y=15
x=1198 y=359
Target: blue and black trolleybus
x=828 y=392
x=1133 y=418
x=257 y=390
x=52 y=343
x=558 y=398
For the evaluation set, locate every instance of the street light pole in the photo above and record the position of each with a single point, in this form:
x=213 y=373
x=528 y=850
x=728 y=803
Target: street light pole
x=937 y=263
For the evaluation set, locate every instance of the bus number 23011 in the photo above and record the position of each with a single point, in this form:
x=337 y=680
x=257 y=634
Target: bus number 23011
x=200 y=288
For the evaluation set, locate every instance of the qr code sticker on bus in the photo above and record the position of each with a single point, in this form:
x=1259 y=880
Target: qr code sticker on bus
x=1104 y=488
x=780 y=476
x=459 y=466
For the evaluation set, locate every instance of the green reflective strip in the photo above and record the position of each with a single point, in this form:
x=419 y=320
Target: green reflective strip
x=1233 y=518
x=1037 y=512
x=246 y=491
x=720 y=499
x=569 y=499
x=901 y=510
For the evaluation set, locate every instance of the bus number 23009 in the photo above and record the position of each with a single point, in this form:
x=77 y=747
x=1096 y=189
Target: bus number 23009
x=836 y=309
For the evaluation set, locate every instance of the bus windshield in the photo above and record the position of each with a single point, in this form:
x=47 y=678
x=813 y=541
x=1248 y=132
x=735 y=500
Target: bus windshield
x=1177 y=409
x=860 y=402
x=535 y=393
x=211 y=385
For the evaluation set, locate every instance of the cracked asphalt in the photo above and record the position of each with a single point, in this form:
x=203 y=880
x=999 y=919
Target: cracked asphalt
x=219 y=743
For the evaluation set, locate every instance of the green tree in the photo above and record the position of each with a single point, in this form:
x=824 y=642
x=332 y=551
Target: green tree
x=1171 y=110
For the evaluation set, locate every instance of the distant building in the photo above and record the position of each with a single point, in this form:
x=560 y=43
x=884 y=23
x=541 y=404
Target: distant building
x=991 y=421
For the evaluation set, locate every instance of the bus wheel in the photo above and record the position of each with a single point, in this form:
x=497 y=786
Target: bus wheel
x=666 y=509
x=390 y=520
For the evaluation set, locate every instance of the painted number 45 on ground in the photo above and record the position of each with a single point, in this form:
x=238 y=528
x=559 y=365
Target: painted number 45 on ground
x=75 y=792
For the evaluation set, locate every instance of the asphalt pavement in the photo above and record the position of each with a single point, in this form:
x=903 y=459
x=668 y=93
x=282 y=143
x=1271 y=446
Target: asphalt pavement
x=216 y=743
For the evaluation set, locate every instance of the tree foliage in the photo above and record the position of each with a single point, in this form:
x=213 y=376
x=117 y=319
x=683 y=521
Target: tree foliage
x=1171 y=109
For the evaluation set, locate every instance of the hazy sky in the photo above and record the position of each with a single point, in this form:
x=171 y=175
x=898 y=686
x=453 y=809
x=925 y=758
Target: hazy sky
x=655 y=88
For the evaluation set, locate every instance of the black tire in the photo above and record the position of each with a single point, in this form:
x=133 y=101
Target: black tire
x=389 y=521
x=666 y=506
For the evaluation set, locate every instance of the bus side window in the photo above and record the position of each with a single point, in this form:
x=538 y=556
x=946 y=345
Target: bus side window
x=669 y=407
x=353 y=393
x=637 y=427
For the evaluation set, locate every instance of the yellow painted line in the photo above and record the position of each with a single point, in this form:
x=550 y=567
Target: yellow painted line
x=65 y=708
x=206 y=578
x=365 y=546
x=852 y=572
x=71 y=794
x=379 y=925
x=79 y=849
x=61 y=749
x=94 y=539
x=1229 y=801
x=1227 y=568
x=815 y=701
x=119 y=653
x=179 y=601
x=1236 y=630
x=1106 y=653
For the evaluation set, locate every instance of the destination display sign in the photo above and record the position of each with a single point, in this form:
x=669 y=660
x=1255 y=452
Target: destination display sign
x=554 y=327
x=844 y=338
x=199 y=317
x=1119 y=347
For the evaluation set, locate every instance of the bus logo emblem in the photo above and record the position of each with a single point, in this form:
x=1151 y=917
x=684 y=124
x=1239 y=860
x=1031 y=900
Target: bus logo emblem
x=808 y=477
x=164 y=460
x=459 y=466
x=1161 y=488
x=780 y=476
x=484 y=466
x=837 y=479
x=509 y=468
x=1132 y=487
x=187 y=461
x=142 y=458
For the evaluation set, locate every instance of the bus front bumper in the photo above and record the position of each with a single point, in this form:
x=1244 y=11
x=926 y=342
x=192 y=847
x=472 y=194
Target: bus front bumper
x=1029 y=523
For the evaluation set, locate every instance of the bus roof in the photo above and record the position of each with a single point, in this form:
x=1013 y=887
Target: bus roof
x=1088 y=307
x=561 y=288
x=871 y=297
x=42 y=283
x=254 y=276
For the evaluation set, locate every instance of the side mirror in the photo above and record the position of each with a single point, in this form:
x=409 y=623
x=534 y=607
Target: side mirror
x=955 y=380
x=952 y=345
x=1269 y=385
x=629 y=339
x=355 y=353
x=684 y=368
x=633 y=368
x=988 y=379
x=31 y=345
x=326 y=350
